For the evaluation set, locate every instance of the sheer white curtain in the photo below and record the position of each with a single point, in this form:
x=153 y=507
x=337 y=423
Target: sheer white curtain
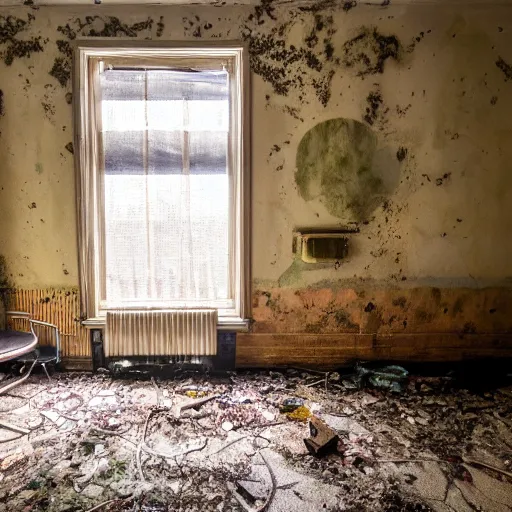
x=166 y=185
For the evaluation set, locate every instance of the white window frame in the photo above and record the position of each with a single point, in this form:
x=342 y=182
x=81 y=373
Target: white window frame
x=88 y=57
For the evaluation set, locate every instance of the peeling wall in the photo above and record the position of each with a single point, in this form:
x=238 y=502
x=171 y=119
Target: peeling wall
x=390 y=119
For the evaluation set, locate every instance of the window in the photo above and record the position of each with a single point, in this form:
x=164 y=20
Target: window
x=162 y=163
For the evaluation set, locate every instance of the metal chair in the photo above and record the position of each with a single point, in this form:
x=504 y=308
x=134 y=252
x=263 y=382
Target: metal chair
x=23 y=347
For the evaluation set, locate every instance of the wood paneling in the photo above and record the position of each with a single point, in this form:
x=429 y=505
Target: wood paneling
x=382 y=309
x=60 y=307
x=457 y=324
x=331 y=350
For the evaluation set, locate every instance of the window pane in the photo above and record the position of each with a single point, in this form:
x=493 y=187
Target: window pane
x=167 y=189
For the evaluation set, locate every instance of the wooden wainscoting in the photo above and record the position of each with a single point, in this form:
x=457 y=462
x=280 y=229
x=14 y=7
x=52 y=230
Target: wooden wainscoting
x=333 y=350
x=60 y=307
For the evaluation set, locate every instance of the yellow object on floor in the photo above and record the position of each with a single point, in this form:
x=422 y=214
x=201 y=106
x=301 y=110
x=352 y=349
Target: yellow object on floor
x=302 y=413
x=196 y=394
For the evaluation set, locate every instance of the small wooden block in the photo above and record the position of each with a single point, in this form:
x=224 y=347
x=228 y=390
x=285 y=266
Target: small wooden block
x=322 y=437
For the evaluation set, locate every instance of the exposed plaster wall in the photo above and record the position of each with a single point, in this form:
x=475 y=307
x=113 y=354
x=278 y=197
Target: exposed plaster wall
x=426 y=164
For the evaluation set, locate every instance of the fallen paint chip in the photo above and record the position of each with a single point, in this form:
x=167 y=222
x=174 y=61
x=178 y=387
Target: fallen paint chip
x=268 y=415
x=102 y=401
x=51 y=415
x=93 y=491
x=99 y=449
x=106 y=392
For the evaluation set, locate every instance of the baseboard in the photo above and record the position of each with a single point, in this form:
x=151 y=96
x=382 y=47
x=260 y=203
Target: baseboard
x=82 y=364
x=332 y=350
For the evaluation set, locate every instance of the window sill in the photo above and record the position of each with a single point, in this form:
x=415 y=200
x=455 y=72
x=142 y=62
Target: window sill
x=223 y=324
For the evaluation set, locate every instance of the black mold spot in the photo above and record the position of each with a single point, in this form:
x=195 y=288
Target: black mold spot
x=505 y=68
x=65 y=48
x=265 y=8
x=318 y=6
x=48 y=108
x=445 y=177
x=313 y=62
x=348 y=5
x=400 y=301
x=111 y=27
x=374 y=100
x=10 y=28
x=61 y=70
x=328 y=50
x=32 y=206
x=416 y=40
x=275 y=149
x=160 y=26
x=294 y=112
x=401 y=154
x=2 y=106
x=402 y=111
x=6 y=285
x=368 y=51
x=69 y=98
x=322 y=88
x=312 y=39
x=93 y=26
x=290 y=67
x=494 y=100
x=492 y=311
x=69 y=147
x=370 y=307
x=207 y=26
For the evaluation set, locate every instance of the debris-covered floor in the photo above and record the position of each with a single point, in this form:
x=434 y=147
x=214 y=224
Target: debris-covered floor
x=98 y=443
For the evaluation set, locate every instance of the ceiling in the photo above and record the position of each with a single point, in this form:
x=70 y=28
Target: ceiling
x=246 y=2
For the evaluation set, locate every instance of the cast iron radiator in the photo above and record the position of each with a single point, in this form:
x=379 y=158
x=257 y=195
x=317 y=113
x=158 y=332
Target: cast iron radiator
x=161 y=333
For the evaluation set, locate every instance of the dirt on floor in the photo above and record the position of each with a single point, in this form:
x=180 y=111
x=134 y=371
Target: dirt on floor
x=201 y=443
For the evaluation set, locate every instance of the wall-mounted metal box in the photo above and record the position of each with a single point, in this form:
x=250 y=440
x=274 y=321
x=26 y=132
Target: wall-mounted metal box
x=321 y=246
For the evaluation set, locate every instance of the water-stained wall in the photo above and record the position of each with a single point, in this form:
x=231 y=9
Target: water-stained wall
x=392 y=120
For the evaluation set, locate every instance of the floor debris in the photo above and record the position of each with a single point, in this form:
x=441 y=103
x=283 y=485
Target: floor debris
x=255 y=442
x=322 y=437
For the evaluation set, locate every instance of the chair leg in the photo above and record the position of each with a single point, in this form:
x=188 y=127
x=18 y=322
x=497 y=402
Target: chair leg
x=46 y=371
x=19 y=380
